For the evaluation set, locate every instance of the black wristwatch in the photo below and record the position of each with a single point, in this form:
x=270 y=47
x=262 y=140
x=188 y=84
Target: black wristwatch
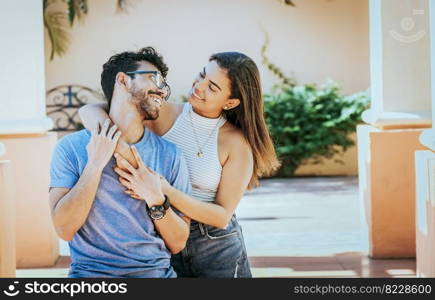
x=157 y=212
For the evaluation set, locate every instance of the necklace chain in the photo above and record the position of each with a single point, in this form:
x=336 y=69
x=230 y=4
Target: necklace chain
x=200 y=153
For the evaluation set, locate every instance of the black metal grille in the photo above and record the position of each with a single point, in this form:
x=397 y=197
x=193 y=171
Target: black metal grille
x=63 y=103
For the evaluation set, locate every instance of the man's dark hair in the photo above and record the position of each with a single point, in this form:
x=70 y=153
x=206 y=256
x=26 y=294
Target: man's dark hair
x=127 y=62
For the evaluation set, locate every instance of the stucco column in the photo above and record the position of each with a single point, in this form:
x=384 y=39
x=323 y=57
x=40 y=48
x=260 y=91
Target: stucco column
x=7 y=219
x=24 y=129
x=400 y=109
x=425 y=173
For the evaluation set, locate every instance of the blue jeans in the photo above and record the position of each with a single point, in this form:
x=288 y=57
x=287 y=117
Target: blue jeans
x=214 y=253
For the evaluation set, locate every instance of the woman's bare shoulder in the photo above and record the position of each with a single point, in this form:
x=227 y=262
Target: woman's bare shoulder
x=234 y=137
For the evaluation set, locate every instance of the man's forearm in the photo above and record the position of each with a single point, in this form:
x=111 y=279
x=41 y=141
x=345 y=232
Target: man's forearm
x=72 y=210
x=173 y=230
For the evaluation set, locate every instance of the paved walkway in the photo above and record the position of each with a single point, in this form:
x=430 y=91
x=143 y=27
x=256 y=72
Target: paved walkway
x=311 y=227
x=302 y=216
x=299 y=227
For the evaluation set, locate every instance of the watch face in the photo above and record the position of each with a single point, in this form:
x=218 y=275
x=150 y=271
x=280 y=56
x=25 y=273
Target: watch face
x=156 y=214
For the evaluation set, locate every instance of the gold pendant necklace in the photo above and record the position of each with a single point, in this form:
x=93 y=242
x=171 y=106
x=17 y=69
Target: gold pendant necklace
x=200 y=153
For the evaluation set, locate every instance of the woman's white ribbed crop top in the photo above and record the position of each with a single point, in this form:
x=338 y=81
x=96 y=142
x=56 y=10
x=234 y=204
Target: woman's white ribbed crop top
x=189 y=131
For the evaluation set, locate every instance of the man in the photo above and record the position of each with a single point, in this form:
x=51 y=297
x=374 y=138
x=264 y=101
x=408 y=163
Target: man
x=111 y=234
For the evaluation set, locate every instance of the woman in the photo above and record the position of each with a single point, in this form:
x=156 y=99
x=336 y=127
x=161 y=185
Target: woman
x=227 y=147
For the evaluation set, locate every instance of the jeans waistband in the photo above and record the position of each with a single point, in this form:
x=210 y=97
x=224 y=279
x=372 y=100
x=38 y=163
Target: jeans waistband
x=194 y=224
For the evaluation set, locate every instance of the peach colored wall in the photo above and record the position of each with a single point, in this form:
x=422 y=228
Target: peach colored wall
x=329 y=167
x=317 y=40
x=387 y=186
x=7 y=221
x=36 y=241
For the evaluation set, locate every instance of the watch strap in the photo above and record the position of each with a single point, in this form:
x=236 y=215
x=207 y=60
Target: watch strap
x=167 y=203
x=157 y=212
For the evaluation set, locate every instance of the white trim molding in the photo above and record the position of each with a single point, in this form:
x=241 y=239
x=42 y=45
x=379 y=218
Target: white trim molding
x=393 y=119
x=36 y=126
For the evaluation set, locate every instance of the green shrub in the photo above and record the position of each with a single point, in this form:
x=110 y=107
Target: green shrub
x=308 y=122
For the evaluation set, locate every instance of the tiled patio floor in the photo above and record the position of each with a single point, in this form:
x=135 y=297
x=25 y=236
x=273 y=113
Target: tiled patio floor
x=301 y=227
x=348 y=265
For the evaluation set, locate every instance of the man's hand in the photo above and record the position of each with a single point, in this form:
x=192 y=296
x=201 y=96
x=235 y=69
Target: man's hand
x=102 y=145
x=70 y=207
x=142 y=182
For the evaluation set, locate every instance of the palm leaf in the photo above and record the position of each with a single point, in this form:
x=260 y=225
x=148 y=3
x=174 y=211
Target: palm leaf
x=55 y=22
x=47 y=3
x=287 y=2
x=76 y=9
x=56 y=25
x=123 y=5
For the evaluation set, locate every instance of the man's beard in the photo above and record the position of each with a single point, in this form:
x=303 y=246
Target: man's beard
x=144 y=104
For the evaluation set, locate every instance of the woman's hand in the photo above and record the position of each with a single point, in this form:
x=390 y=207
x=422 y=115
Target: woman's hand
x=125 y=151
x=141 y=183
x=102 y=145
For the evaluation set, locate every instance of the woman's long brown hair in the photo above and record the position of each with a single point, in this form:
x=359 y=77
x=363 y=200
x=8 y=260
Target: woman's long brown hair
x=249 y=115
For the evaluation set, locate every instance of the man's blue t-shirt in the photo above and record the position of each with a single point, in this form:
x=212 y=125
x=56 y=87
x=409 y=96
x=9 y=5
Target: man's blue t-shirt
x=118 y=238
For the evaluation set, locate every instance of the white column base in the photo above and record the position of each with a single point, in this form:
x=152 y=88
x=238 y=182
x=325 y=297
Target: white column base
x=387 y=189
x=37 y=244
x=7 y=221
x=425 y=213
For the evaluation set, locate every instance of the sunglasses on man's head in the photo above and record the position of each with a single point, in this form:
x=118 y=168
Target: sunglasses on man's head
x=157 y=79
